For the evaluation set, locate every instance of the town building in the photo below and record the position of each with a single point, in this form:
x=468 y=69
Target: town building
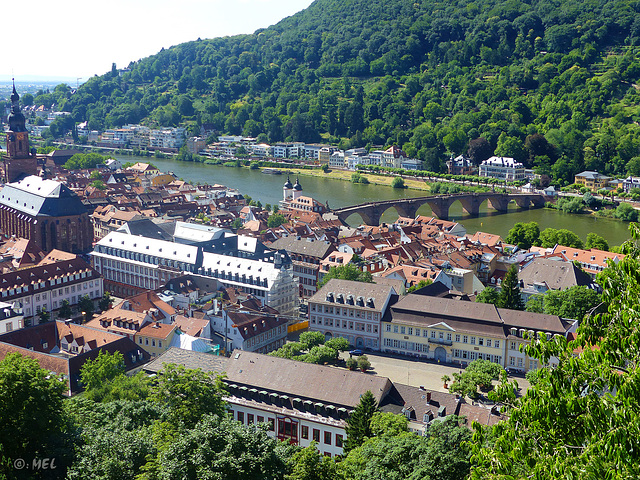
x=301 y=403
x=57 y=277
x=502 y=168
x=594 y=181
x=63 y=348
x=592 y=260
x=31 y=207
x=352 y=310
x=454 y=331
x=10 y=318
x=251 y=328
x=306 y=255
x=137 y=259
x=461 y=165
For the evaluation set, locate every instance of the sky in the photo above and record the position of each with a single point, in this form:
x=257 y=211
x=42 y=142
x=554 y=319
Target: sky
x=64 y=40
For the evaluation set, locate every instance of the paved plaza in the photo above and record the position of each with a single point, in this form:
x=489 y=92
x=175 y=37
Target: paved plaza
x=418 y=372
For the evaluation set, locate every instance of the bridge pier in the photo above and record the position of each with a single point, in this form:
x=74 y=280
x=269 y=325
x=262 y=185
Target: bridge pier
x=471 y=206
x=500 y=203
x=440 y=207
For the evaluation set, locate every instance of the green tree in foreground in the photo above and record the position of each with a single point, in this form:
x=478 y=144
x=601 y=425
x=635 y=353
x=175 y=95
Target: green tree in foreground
x=308 y=464
x=581 y=418
x=441 y=454
x=188 y=394
x=550 y=237
x=346 y=272
x=31 y=418
x=488 y=295
x=311 y=339
x=105 y=302
x=358 y=426
x=479 y=373
x=44 y=315
x=104 y=368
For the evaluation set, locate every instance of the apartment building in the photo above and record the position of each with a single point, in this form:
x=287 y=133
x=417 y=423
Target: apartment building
x=352 y=310
x=59 y=276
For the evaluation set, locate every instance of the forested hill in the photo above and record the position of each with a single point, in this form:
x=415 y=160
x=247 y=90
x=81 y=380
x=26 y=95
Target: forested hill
x=430 y=76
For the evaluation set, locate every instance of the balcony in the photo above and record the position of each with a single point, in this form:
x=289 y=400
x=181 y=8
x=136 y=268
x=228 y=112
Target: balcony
x=440 y=341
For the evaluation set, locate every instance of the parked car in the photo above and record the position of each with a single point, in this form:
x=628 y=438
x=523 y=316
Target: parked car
x=357 y=352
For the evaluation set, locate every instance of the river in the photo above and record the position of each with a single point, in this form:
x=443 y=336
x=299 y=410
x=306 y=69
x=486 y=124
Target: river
x=268 y=189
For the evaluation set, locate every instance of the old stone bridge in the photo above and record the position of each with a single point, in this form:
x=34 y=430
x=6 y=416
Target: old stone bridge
x=440 y=204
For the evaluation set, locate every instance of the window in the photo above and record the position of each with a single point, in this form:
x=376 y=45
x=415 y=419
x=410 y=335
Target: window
x=481 y=341
x=403 y=330
x=448 y=336
x=433 y=334
x=473 y=340
x=395 y=329
x=417 y=332
x=338 y=440
x=305 y=432
x=272 y=424
x=512 y=346
x=260 y=419
x=327 y=438
x=488 y=342
x=249 y=418
x=496 y=344
x=465 y=339
x=457 y=337
x=241 y=417
x=316 y=435
x=388 y=328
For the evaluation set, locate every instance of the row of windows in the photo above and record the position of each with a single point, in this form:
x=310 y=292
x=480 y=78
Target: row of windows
x=404 y=345
x=346 y=312
x=467 y=355
x=316 y=434
x=346 y=324
x=442 y=335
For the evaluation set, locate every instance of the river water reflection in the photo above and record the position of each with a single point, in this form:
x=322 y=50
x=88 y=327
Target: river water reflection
x=268 y=189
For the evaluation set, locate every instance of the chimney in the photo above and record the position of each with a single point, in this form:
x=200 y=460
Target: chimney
x=428 y=397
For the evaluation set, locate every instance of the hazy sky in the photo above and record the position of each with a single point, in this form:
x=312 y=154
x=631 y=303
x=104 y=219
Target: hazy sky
x=61 y=38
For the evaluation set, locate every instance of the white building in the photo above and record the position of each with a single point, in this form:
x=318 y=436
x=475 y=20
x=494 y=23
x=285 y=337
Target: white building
x=130 y=263
x=502 y=168
x=10 y=319
x=58 y=277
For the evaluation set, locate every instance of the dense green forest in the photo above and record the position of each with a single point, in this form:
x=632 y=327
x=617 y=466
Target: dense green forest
x=551 y=83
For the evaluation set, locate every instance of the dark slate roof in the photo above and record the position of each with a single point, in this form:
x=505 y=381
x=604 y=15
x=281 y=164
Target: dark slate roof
x=189 y=359
x=332 y=385
x=303 y=246
x=34 y=196
x=558 y=274
x=144 y=227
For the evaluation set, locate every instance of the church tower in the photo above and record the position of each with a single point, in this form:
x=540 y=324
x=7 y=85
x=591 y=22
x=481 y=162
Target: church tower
x=19 y=160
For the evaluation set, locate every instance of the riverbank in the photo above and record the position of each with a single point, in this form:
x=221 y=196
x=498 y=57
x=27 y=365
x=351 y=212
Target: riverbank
x=345 y=175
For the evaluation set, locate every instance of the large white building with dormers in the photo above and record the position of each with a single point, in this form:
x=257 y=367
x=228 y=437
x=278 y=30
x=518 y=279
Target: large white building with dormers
x=133 y=262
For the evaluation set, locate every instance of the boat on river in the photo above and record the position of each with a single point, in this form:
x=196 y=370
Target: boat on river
x=272 y=171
